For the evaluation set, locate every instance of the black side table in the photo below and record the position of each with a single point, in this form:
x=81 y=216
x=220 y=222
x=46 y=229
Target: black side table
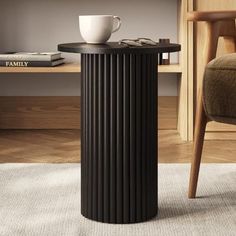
x=119 y=130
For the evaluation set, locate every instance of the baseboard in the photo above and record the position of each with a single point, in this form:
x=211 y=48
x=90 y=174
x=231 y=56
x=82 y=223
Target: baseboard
x=167 y=112
x=39 y=112
x=63 y=112
x=219 y=127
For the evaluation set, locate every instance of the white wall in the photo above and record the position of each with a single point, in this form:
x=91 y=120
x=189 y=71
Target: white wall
x=33 y=25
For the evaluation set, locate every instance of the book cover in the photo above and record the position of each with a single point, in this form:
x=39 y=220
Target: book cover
x=31 y=63
x=30 y=56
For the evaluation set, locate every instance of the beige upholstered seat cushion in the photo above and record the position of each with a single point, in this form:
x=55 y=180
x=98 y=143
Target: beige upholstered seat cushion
x=219 y=89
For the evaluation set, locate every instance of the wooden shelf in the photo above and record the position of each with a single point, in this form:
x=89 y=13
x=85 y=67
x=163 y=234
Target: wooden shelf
x=65 y=68
x=172 y=68
x=75 y=68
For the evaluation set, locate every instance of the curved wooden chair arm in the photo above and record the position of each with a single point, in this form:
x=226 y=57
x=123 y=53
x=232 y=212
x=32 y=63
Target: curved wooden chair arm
x=218 y=24
x=211 y=15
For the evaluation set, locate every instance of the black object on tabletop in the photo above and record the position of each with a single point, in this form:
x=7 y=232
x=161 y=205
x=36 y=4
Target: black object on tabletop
x=164 y=58
x=118 y=130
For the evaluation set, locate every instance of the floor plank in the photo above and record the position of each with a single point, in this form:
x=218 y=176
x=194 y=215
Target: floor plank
x=63 y=146
x=54 y=146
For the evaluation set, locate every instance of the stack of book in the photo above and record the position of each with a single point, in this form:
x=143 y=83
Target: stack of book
x=23 y=59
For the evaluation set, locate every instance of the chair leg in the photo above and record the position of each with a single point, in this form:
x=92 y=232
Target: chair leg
x=199 y=133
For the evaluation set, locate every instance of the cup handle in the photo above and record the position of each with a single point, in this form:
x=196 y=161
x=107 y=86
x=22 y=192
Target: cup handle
x=118 y=25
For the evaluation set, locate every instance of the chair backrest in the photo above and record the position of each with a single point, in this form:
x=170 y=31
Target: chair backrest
x=219 y=24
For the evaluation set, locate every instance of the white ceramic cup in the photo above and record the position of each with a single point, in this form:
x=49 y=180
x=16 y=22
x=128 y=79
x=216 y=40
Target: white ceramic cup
x=97 y=29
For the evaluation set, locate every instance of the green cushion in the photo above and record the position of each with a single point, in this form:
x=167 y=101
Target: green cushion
x=219 y=89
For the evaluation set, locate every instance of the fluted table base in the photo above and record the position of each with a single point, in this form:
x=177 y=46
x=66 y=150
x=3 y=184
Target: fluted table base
x=119 y=137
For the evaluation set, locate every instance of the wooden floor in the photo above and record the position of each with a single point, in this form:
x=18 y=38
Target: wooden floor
x=63 y=146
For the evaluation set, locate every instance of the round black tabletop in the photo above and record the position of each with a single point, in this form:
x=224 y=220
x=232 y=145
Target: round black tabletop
x=116 y=48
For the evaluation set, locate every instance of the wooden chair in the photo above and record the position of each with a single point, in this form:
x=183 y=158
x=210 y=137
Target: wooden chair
x=219 y=24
